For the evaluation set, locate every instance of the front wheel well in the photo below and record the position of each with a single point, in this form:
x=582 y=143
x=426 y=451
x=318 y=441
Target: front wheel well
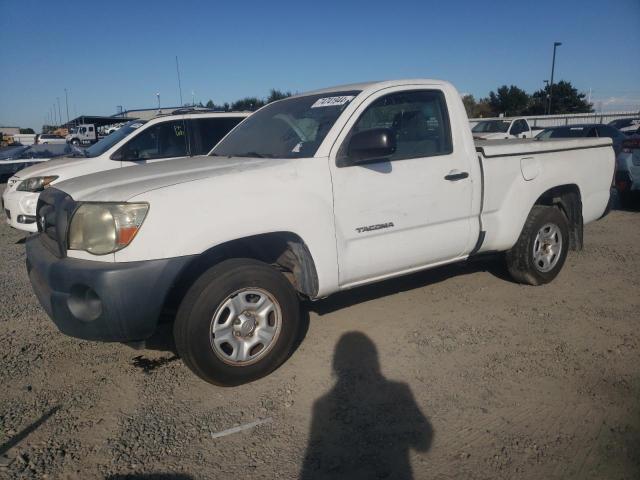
x=286 y=251
x=567 y=198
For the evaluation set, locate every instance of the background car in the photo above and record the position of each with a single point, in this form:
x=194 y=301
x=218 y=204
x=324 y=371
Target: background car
x=628 y=126
x=46 y=138
x=585 y=130
x=627 y=178
x=13 y=159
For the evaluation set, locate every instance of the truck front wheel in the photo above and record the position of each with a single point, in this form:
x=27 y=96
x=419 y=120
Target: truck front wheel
x=540 y=252
x=238 y=322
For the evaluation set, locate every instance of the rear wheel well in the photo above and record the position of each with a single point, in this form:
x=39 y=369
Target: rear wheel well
x=285 y=251
x=567 y=198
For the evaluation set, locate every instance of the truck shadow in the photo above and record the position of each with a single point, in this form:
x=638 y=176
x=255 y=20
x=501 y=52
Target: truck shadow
x=348 y=298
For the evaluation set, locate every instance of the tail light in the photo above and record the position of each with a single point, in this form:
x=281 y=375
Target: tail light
x=630 y=144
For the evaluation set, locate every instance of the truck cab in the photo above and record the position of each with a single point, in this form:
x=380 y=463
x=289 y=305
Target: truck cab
x=84 y=134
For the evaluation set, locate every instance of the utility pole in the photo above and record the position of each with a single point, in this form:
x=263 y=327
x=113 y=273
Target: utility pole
x=59 y=111
x=546 y=97
x=179 y=85
x=553 y=66
x=55 y=120
x=158 y=95
x=66 y=101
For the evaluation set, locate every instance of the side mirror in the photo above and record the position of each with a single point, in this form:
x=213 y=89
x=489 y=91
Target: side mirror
x=371 y=145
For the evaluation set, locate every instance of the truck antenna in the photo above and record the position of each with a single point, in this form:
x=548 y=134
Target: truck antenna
x=179 y=85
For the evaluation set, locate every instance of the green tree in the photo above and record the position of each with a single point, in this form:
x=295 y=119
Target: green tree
x=27 y=130
x=247 y=103
x=277 y=95
x=477 y=109
x=210 y=104
x=565 y=99
x=470 y=104
x=509 y=101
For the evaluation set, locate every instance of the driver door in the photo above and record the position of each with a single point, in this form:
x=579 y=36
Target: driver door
x=410 y=209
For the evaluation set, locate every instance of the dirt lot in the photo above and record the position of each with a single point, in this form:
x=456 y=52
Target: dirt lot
x=478 y=378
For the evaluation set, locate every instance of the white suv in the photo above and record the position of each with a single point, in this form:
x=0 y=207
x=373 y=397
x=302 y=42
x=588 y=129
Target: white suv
x=138 y=142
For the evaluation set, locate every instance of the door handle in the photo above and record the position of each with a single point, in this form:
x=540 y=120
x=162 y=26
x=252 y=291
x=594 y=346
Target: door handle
x=455 y=175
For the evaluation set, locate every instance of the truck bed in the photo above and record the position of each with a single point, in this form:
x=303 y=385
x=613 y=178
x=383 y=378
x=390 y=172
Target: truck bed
x=528 y=146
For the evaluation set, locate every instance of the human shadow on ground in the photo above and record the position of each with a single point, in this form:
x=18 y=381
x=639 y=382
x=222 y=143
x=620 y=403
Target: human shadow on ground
x=366 y=425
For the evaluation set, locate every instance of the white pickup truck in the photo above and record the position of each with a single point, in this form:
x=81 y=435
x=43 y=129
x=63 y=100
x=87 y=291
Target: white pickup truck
x=499 y=129
x=310 y=195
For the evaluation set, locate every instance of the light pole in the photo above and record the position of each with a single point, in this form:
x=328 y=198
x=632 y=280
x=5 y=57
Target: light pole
x=59 y=111
x=553 y=67
x=66 y=101
x=158 y=95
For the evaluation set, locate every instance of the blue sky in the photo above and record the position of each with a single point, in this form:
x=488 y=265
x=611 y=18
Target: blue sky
x=113 y=52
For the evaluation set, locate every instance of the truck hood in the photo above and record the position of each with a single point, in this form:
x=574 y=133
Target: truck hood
x=65 y=167
x=124 y=183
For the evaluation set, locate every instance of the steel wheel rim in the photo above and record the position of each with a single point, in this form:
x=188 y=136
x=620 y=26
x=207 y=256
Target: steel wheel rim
x=547 y=247
x=245 y=326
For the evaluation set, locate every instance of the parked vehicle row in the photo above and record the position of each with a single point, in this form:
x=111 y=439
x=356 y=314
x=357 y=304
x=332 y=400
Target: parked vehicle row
x=588 y=130
x=310 y=195
x=137 y=142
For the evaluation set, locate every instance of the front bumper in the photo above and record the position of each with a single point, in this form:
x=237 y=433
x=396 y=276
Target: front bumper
x=20 y=209
x=105 y=301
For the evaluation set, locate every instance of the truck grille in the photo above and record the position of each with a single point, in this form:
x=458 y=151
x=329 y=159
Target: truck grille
x=53 y=212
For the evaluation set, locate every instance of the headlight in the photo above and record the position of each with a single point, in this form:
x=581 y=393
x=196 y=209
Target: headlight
x=102 y=228
x=35 y=184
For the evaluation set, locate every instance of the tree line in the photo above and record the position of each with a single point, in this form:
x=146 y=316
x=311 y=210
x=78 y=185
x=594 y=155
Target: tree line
x=513 y=101
x=247 y=103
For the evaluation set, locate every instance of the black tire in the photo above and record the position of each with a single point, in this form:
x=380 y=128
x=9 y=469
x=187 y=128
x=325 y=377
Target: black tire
x=75 y=142
x=520 y=259
x=194 y=320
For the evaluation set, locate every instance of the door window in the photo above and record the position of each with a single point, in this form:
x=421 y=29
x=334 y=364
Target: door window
x=207 y=132
x=162 y=140
x=418 y=119
x=519 y=126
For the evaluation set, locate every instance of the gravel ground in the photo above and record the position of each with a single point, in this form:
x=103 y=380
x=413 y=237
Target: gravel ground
x=453 y=373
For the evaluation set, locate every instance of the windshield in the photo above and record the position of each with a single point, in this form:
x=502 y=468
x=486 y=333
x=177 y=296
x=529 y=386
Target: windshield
x=491 y=126
x=566 y=132
x=291 y=128
x=107 y=142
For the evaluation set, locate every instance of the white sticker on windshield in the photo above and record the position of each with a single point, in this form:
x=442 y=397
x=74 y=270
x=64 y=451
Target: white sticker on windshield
x=332 y=101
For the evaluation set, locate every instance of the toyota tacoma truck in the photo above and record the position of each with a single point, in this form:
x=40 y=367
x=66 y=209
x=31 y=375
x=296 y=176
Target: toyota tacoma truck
x=310 y=195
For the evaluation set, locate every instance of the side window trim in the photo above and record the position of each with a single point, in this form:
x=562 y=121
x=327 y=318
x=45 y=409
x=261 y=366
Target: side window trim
x=341 y=158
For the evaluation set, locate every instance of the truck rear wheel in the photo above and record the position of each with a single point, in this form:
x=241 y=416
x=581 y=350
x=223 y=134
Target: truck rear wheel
x=541 y=250
x=238 y=322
